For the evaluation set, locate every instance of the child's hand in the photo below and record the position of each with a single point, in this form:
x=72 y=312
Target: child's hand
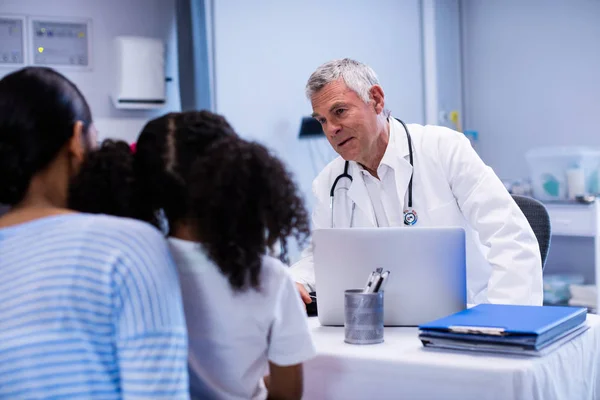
x=303 y=293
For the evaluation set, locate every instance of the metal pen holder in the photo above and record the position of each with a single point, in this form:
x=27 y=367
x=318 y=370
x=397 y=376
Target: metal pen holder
x=363 y=317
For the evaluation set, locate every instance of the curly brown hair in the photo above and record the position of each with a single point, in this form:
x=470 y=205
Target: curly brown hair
x=106 y=183
x=242 y=200
x=239 y=199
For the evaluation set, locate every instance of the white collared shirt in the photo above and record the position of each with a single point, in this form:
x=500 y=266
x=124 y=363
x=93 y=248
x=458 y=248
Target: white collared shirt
x=387 y=205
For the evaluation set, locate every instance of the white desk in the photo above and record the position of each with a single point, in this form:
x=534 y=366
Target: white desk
x=400 y=368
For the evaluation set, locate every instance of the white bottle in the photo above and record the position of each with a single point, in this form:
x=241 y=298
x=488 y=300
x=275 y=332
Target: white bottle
x=575 y=182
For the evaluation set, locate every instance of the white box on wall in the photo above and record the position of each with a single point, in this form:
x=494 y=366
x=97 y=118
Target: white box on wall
x=139 y=73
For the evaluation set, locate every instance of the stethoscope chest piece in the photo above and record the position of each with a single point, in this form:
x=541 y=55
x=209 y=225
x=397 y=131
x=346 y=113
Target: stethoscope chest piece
x=410 y=217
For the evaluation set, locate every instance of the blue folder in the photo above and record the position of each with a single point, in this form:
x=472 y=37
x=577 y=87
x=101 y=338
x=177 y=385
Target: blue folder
x=530 y=326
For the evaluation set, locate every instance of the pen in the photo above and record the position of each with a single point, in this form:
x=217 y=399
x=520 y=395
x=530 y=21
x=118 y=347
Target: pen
x=375 y=283
x=382 y=281
x=371 y=284
x=369 y=280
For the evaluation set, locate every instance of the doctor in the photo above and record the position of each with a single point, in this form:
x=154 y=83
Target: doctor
x=417 y=175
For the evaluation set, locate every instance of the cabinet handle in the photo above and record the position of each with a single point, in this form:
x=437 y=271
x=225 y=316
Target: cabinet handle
x=563 y=221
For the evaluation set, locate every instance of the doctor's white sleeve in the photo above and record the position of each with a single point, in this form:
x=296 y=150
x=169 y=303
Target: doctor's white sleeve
x=514 y=253
x=303 y=271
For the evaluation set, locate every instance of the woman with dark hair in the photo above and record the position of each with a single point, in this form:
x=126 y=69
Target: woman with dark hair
x=228 y=203
x=90 y=305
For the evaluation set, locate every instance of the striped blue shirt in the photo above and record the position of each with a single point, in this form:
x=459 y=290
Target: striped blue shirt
x=90 y=307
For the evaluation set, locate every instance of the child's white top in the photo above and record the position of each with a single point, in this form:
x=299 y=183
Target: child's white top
x=233 y=335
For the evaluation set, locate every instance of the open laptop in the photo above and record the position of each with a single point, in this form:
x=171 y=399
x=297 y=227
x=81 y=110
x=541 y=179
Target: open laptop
x=427 y=271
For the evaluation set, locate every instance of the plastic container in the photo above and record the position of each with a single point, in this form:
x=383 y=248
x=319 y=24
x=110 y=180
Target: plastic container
x=556 y=287
x=549 y=168
x=576 y=182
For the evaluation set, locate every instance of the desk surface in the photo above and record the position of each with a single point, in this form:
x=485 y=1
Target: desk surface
x=402 y=368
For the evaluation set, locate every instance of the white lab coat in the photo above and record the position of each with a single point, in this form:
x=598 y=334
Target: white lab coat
x=451 y=187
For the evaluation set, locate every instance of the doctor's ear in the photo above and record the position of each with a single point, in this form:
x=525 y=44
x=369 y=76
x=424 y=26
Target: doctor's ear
x=378 y=97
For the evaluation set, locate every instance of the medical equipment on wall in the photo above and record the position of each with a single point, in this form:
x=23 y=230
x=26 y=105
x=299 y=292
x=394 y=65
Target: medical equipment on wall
x=12 y=41
x=454 y=117
x=139 y=76
x=57 y=42
x=410 y=215
x=61 y=42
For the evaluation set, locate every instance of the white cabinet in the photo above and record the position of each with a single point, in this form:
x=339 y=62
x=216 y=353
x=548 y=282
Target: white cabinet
x=574 y=219
x=579 y=220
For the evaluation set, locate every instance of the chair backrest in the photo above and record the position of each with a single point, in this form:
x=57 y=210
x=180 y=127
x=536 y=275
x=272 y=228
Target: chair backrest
x=538 y=218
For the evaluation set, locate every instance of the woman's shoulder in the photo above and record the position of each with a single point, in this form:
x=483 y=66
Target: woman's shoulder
x=93 y=239
x=124 y=234
x=101 y=223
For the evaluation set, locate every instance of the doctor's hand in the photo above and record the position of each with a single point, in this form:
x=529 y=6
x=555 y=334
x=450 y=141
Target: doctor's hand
x=303 y=293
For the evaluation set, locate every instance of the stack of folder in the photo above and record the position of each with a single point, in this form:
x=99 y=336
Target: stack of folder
x=522 y=330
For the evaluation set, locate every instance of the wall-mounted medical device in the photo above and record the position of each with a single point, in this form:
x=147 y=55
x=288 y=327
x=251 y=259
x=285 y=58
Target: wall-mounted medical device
x=139 y=73
x=61 y=42
x=13 y=34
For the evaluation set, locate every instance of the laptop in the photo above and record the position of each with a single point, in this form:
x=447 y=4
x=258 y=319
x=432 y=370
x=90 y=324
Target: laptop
x=427 y=271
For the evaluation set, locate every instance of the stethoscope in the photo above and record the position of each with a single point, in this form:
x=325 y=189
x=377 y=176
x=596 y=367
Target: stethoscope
x=410 y=215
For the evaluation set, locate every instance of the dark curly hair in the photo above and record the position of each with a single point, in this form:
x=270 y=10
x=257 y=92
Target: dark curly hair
x=238 y=198
x=165 y=151
x=242 y=201
x=106 y=183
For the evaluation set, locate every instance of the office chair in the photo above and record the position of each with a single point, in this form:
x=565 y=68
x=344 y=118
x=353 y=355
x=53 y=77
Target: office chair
x=538 y=218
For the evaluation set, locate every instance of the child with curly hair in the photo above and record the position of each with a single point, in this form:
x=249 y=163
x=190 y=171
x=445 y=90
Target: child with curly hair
x=228 y=203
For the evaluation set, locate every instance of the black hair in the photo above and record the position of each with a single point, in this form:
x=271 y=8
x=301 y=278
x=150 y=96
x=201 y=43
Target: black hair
x=106 y=183
x=242 y=200
x=239 y=199
x=165 y=151
x=38 y=109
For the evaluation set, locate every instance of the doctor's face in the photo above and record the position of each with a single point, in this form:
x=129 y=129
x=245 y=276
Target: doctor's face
x=350 y=124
